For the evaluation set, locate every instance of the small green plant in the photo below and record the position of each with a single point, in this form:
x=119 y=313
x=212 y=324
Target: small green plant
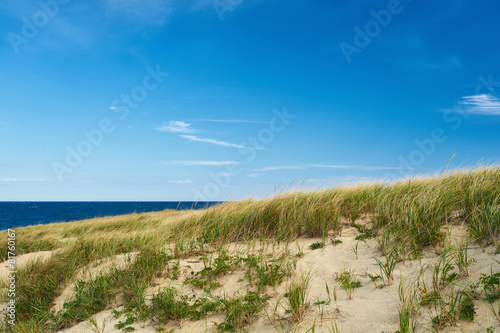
x=241 y=311
x=442 y=274
x=355 y=248
x=407 y=309
x=452 y=301
x=91 y=297
x=491 y=285
x=327 y=287
x=213 y=267
x=336 y=241
x=174 y=271
x=466 y=309
x=387 y=268
x=348 y=281
x=384 y=240
x=317 y=245
x=427 y=296
x=167 y=306
x=263 y=271
x=491 y=289
x=296 y=295
x=374 y=279
x=461 y=258
x=93 y=322
x=300 y=253
x=452 y=306
x=365 y=232
x=321 y=306
x=334 y=294
x=130 y=319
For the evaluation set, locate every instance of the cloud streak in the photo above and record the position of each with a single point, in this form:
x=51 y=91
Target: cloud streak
x=334 y=166
x=13 y=180
x=280 y=167
x=352 y=167
x=324 y=166
x=180 y=181
x=212 y=141
x=347 y=180
x=483 y=104
x=175 y=126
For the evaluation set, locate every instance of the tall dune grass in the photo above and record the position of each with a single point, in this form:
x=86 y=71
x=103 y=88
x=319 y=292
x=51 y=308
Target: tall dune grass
x=411 y=214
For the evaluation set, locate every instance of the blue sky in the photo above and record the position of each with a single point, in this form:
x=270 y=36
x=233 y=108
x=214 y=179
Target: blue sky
x=227 y=99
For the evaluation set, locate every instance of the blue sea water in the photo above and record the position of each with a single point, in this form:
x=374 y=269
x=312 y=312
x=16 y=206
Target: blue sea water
x=21 y=214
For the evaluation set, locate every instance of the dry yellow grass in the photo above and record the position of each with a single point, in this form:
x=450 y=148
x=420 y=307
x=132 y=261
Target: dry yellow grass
x=410 y=220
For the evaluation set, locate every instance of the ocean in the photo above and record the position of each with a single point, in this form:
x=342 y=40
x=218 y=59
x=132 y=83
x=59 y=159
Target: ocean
x=21 y=214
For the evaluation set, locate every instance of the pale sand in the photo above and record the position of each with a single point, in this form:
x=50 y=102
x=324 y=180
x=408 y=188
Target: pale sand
x=22 y=260
x=371 y=310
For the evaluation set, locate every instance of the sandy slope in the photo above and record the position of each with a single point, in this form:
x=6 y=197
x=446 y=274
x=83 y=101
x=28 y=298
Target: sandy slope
x=371 y=309
x=23 y=260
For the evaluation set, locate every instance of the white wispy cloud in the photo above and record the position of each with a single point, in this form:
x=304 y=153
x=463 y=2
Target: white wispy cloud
x=280 y=167
x=353 y=167
x=212 y=141
x=7 y=180
x=324 y=166
x=483 y=104
x=180 y=181
x=374 y=168
x=334 y=166
x=347 y=180
x=201 y=163
x=175 y=126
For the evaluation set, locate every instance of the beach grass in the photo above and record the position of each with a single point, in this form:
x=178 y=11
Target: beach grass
x=408 y=218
